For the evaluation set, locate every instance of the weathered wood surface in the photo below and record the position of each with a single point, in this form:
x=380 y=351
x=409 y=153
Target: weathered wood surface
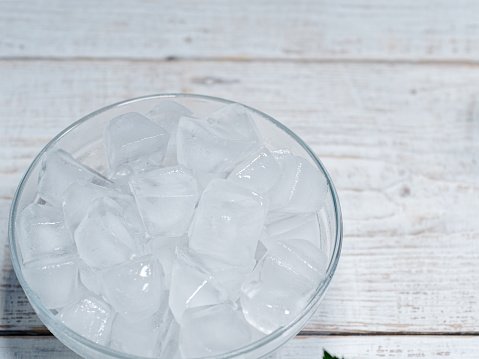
x=401 y=142
x=305 y=30
x=387 y=93
x=351 y=347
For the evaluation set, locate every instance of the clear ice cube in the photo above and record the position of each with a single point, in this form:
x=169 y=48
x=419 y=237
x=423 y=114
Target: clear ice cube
x=304 y=226
x=146 y=337
x=135 y=337
x=166 y=199
x=219 y=142
x=134 y=140
x=167 y=114
x=301 y=187
x=229 y=277
x=192 y=286
x=59 y=171
x=90 y=278
x=53 y=279
x=259 y=172
x=213 y=330
x=282 y=283
x=90 y=317
x=43 y=232
x=103 y=237
x=227 y=223
x=78 y=198
x=164 y=249
x=134 y=289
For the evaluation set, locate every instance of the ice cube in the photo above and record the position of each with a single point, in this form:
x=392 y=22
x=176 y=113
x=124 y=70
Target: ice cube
x=213 y=330
x=204 y=178
x=135 y=140
x=43 y=232
x=229 y=277
x=53 y=279
x=59 y=171
x=227 y=223
x=147 y=337
x=90 y=278
x=167 y=114
x=166 y=199
x=301 y=187
x=301 y=226
x=90 y=317
x=103 y=238
x=134 y=289
x=219 y=142
x=282 y=283
x=164 y=249
x=192 y=286
x=77 y=200
x=259 y=172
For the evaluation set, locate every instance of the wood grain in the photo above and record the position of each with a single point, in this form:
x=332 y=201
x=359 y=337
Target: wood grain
x=401 y=142
x=349 y=347
x=305 y=30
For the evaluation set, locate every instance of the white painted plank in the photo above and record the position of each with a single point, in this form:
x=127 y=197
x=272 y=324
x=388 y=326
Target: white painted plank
x=305 y=29
x=397 y=347
x=349 y=347
x=401 y=142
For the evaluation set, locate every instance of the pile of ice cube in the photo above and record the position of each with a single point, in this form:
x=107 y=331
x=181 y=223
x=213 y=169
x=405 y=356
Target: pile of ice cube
x=198 y=241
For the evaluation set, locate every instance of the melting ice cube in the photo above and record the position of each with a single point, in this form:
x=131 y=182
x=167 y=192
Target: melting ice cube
x=282 y=283
x=228 y=223
x=59 y=171
x=166 y=199
x=218 y=143
x=53 y=279
x=134 y=289
x=135 y=140
x=43 y=232
x=213 y=330
x=90 y=317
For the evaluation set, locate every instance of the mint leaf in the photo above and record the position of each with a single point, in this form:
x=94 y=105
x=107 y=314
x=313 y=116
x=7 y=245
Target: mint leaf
x=326 y=355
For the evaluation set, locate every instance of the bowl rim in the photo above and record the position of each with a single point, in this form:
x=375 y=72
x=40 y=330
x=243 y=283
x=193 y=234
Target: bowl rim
x=307 y=310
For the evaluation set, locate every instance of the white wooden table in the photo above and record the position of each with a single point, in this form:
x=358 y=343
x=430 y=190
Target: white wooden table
x=386 y=92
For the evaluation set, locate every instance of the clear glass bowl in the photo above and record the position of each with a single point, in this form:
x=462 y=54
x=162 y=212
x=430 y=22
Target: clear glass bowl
x=83 y=139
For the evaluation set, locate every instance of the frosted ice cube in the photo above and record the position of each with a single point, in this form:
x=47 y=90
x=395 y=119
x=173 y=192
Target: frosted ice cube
x=164 y=249
x=90 y=278
x=147 y=337
x=166 y=199
x=301 y=226
x=135 y=140
x=213 y=330
x=301 y=187
x=229 y=277
x=259 y=172
x=53 y=279
x=90 y=317
x=192 y=286
x=59 y=171
x=77 y=200
x=103 y=238
x=219 y=142
x=43 y=232
x=135 y=288
x=227 y=223
x=167 y=114
x=204 y=178
x=282 y=283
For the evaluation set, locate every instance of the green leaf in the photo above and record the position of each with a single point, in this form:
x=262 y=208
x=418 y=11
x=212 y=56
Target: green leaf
x=326 y=355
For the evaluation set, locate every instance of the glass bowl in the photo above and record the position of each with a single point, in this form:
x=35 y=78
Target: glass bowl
x=83 y=139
